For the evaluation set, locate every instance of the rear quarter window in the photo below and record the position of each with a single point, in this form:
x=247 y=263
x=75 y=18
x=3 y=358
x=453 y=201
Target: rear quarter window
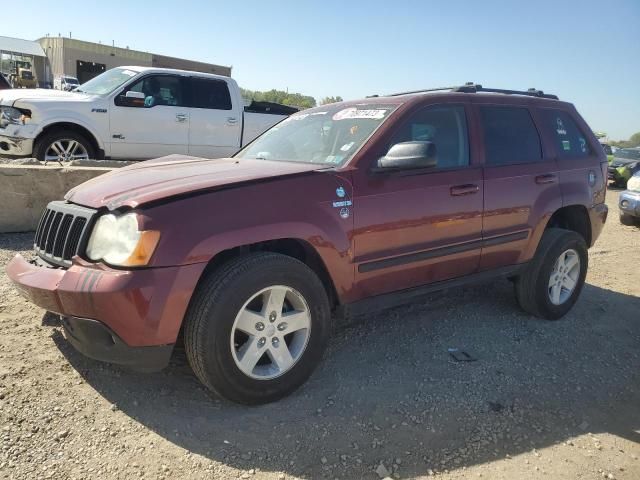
x=568 y=139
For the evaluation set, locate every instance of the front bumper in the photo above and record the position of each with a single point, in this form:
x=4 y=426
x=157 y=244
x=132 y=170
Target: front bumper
x=95 y=340
x=137 y=308
x=629 y=203
x=16 y=146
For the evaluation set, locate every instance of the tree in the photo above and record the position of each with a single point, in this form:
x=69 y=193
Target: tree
x=328 y=100
x=634 y=141
x=278 y=96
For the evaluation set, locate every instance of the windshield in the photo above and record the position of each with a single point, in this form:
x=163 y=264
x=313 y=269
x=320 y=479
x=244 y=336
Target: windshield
x=107 y=82
x=628 y=153
x=328 y=135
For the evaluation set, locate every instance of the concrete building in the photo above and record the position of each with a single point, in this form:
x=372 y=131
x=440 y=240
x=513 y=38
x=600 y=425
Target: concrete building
x=85 y=60
x=18 y=53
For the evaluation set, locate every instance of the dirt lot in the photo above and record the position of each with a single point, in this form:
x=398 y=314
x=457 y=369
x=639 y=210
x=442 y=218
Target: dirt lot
x=555 y=399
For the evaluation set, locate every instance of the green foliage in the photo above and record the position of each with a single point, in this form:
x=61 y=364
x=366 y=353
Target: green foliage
x=634 y=141
x=278 y=96
x=328 y=100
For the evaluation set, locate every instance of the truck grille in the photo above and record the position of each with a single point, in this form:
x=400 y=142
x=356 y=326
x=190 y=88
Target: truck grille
x=61 y=231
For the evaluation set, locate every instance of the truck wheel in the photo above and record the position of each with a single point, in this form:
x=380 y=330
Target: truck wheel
x=628 y=220
x=257 y=327
x=554 y=278
x=63 y=146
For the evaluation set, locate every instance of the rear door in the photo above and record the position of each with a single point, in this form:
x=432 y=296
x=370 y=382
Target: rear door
x=152 y=127
x=520 y=183
x=215 y=124
x=420 y=226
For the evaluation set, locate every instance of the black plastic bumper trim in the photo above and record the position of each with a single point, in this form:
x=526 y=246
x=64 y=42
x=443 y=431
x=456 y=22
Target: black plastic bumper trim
x=95 y=340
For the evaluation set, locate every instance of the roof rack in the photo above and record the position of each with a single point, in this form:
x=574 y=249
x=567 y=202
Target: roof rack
x=471 y=87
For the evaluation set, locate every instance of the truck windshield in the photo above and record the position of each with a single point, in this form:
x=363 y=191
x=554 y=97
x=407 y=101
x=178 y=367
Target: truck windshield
x=107 y=82
x=328 y=135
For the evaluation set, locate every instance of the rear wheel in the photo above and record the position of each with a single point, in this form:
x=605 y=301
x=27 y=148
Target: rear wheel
x=63 y=146
x=257 y=327
x=554 y=278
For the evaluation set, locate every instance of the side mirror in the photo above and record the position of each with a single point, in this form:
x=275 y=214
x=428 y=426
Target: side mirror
x=138 y=95
x=131 y=99
x=408 y=155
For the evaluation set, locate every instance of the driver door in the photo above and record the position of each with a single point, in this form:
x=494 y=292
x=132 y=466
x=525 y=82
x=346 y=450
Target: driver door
x=153 y=126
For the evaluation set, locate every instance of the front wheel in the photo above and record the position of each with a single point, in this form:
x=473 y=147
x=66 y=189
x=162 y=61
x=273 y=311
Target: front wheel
x=553 y=280
x=257 y=327
x=63 y=146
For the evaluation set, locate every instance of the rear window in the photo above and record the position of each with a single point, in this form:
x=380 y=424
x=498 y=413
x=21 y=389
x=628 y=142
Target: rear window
x=568 y=139
x=212 y=94
x=510 y=136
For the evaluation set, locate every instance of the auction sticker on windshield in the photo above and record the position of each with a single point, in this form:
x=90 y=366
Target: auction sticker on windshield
x=349 y=113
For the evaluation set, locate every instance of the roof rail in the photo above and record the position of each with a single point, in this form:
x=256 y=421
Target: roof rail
x=471 y=87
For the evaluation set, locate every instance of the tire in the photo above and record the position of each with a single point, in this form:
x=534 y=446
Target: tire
x=533 y=290
x=628 y=220
x=211 y=335
x=47 y=140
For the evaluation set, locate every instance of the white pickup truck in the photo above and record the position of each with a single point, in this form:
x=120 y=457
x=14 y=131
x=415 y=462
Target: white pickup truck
x=133 y=113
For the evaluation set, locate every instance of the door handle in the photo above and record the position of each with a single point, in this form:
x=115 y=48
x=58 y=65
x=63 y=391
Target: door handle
x=181 y=117
x=232 y=120
x=467 y=189
x=546 y=178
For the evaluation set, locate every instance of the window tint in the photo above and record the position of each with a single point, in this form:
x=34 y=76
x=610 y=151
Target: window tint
x=510 y=136
x=212 y=94
x=446 y=127
x=159 y=90
x=569 y=141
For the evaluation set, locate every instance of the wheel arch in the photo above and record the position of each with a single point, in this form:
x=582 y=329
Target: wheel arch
x=575 y=218
x=296 y=248
x=75 y=127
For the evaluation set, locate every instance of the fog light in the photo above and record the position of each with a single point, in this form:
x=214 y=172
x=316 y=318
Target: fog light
x=624 y=203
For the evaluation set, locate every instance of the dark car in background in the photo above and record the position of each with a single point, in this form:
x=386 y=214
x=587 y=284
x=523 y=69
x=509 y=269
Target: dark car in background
x=4 y=83
x=625 y=163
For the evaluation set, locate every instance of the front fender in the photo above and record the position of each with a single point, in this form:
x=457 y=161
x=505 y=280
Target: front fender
x=306 y=207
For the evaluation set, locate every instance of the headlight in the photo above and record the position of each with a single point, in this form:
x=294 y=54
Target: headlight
x=634 y=183
x=12 y=115
x=118 y=241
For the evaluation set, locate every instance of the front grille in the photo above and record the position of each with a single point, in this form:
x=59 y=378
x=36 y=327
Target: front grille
x=61 y=231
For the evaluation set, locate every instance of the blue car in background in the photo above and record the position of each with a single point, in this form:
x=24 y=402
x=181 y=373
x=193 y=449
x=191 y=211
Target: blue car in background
x=629 y=202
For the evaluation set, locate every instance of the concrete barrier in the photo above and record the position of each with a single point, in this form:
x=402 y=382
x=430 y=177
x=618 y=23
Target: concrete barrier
x=26 y=189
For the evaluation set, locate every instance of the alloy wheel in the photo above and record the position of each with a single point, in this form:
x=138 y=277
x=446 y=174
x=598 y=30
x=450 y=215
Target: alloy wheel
x=564 y=277
x=270 y=333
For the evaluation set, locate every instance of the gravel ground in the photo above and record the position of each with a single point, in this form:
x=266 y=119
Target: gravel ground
x=556 y=399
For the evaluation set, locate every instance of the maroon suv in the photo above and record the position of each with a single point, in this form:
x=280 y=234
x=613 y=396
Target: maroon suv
x=339 y=207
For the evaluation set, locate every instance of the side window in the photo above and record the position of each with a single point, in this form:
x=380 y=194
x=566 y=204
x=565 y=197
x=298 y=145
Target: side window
x=153 y=91
x=212 y=94
x=446 y=127
x=510 y=136
x=569 y=140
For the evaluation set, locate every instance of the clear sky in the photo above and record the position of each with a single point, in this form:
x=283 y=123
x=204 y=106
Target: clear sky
x=587 y=52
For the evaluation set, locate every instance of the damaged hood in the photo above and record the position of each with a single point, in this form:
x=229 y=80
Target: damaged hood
x=176 y=175
x=9 y=97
